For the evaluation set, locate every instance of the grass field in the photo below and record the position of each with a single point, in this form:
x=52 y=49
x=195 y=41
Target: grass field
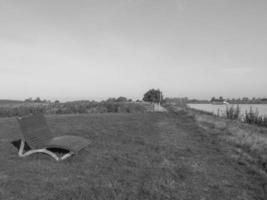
x=131 y=156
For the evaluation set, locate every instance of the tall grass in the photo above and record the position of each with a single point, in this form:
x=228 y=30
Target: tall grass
x=253 y=117
x=250 y=117
x=233 y=112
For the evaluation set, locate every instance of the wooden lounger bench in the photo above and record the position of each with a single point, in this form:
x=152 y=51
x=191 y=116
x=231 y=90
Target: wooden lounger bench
x=37 y=136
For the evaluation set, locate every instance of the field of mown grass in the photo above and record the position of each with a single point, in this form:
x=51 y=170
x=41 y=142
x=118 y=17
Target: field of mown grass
x=131 y=156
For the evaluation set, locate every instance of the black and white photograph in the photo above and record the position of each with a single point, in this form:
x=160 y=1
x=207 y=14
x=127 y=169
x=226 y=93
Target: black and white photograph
x=133 y=100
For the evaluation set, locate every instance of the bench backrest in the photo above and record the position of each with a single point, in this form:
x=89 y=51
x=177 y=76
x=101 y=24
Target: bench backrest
x=35 y=130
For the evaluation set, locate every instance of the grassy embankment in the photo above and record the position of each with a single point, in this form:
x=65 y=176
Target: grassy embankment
x=248 y=138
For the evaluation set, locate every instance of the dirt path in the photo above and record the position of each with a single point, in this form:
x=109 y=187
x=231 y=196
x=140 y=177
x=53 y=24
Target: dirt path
x=202 y=163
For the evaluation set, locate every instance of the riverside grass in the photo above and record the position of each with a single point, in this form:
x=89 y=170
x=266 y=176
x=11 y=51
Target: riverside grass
x=250 y=117
x=250 y=140
x=232 y=112
x=253 y=117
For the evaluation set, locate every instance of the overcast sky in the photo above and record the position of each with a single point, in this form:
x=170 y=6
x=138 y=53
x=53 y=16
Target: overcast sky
x=95 y=49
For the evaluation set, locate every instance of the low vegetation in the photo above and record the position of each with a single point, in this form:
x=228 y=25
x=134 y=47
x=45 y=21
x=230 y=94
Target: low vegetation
x=75 y=107
x=10 y=108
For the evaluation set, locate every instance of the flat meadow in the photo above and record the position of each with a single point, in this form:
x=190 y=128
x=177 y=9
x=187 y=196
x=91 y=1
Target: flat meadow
x=131 y=156
x=111 y=167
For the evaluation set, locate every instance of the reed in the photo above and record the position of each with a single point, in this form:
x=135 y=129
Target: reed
x=233 y=112
x=253 y=117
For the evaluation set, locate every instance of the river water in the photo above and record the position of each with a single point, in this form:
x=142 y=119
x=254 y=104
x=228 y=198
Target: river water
x=220 y=109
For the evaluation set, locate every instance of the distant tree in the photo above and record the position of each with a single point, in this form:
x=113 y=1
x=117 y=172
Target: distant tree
x=221 y=98
x=57 y=101
x=245 y=99
x=111 y=100
x=38 y=100
x=28 y=100
x=121 y=99
x=153 y=96
x=213 y=99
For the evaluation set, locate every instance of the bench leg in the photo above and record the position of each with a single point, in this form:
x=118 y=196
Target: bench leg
x=50 y=153
x=22 y=154
x=66 y=156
